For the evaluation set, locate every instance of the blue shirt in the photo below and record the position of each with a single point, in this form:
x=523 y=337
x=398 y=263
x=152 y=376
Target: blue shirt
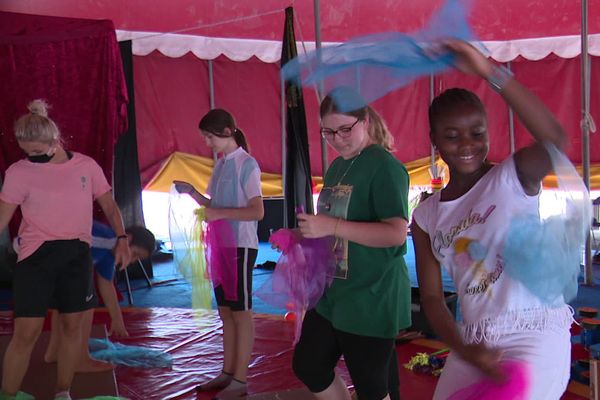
x=104 y=240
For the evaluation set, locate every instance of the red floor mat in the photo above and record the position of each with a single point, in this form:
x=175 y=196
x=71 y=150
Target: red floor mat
x=40 y=380
x=196 y=349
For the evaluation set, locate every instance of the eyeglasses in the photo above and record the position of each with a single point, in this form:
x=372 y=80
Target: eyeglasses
x=341 y=132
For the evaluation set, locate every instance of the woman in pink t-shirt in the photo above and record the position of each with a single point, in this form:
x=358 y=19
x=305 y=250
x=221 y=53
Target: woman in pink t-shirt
x=55 y=190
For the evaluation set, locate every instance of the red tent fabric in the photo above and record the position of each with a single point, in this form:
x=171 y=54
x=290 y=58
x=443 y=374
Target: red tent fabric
x=171 y=71
x=341 y=19
x=255 y=103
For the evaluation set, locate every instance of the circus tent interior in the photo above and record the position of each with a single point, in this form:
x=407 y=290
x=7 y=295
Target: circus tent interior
x=189 y=56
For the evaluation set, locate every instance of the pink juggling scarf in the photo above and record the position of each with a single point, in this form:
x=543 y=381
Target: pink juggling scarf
x=515 y=386
x=305 y=268
x=221 y=256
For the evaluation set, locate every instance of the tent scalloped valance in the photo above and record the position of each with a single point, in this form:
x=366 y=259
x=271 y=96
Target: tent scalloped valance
x=269 y=51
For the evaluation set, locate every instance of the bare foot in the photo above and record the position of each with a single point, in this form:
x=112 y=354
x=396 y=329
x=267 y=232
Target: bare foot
x=92 y=365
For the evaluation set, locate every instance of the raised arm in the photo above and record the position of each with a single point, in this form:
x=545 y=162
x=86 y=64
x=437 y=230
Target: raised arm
x=532 y=162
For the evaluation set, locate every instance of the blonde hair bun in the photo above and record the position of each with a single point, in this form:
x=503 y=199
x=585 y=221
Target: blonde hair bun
x=36 y=126
x=38 y=107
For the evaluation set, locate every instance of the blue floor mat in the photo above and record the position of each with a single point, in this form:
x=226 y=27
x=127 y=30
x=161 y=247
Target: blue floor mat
x=171 y=290
x=175 y=292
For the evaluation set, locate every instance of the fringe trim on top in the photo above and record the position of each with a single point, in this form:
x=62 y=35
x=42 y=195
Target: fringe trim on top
x=489 y=330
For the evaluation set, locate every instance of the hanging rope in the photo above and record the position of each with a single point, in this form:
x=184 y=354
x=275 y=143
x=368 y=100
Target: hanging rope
x=588 y=122
x=211 y=25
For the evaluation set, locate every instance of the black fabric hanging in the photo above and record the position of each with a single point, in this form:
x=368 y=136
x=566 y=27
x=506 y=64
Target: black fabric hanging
x=298 y=185
x=127 y=185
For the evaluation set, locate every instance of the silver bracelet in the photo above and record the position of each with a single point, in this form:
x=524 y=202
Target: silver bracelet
x=499 y=78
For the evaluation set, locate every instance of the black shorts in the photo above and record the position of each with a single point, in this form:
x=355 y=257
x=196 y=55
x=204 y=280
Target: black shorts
x=245 y=262
x=57 y=275
x=367 y=358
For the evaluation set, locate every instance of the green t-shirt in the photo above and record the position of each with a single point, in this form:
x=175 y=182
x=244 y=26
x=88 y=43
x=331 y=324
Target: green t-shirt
x=370 y=295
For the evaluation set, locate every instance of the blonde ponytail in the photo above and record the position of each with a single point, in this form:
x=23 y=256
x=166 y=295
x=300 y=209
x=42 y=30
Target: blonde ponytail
x=378 y=130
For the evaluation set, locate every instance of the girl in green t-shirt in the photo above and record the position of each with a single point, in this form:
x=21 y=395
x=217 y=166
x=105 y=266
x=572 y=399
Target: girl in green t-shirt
x=364 y=205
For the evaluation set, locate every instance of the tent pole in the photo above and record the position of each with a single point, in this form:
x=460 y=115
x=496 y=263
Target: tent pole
x=431 y=97
x=511 y=120
x=317 y=12
x=283 y=152
x=211 y=94
x=585 y=129
x=211 y=84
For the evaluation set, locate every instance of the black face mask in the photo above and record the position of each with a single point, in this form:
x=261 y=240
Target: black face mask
x=42 y=158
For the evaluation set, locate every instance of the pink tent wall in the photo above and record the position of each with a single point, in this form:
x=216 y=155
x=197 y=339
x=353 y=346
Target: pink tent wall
x=255 y=103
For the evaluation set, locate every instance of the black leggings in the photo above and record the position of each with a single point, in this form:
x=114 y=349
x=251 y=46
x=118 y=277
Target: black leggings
x=367 y=358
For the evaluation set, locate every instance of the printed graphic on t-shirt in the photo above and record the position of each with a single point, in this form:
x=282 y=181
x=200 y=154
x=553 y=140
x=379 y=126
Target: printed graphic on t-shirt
x=467 y=253
x=484 y=280
x=443 y=240
x=469 y=256
x=334 y=201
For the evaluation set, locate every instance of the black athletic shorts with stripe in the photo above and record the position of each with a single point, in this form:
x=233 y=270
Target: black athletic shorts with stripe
x=57 y=275
x=245 y=262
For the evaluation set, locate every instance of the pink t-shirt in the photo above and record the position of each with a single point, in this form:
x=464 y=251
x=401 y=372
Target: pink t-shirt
x=56 y=200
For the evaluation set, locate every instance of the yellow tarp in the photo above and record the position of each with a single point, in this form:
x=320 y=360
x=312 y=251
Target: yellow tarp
x=550 y=181
x=418 y=171
x=197 y=171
